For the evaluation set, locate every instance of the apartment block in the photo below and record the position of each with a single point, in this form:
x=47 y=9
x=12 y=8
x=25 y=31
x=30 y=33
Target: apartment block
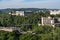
x=54 y=12
x=50 y=21
x=20 y=13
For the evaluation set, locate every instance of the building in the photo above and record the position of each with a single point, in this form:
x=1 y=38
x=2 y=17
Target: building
x=54 y=12
x=50 y=21
x=27 y=12
x=47 y=21
x=57 y=22
x=20 y=13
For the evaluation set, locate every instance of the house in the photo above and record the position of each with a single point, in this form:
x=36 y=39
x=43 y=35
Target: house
x=54 y=12
x=20 y=13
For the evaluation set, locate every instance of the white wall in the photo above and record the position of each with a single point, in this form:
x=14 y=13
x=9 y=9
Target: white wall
x=54 y=12
x=21 y=13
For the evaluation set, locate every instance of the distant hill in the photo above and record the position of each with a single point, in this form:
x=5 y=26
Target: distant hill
x=23 y=9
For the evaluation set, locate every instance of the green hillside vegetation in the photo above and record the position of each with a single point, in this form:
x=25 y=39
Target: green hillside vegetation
x=41 y=32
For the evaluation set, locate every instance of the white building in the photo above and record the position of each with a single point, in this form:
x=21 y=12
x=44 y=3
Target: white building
x=47 y=21
x=21 y=13
x=54 y=12
x=55 y=22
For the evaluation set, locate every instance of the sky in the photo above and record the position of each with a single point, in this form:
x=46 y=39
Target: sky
x=52 y=4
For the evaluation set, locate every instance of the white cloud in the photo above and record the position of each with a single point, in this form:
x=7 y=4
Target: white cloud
x=36 y=4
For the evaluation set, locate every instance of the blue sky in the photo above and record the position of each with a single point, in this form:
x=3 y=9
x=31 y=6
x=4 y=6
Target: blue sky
x=30 y=4
x=32 y=0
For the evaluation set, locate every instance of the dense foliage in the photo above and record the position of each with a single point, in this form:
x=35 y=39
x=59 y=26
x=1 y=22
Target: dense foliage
x=42 y=33
x=28 y=23
x=12 y=20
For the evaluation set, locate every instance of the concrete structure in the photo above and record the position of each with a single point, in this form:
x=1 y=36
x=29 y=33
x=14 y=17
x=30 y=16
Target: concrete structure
x=21 y=13
x=50 y=21
x=54 y=12
x=27 y=12
x=57 y=21
x=47 y=21
x=9 y=29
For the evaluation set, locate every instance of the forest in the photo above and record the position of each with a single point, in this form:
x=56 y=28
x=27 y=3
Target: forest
x=23 y=22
